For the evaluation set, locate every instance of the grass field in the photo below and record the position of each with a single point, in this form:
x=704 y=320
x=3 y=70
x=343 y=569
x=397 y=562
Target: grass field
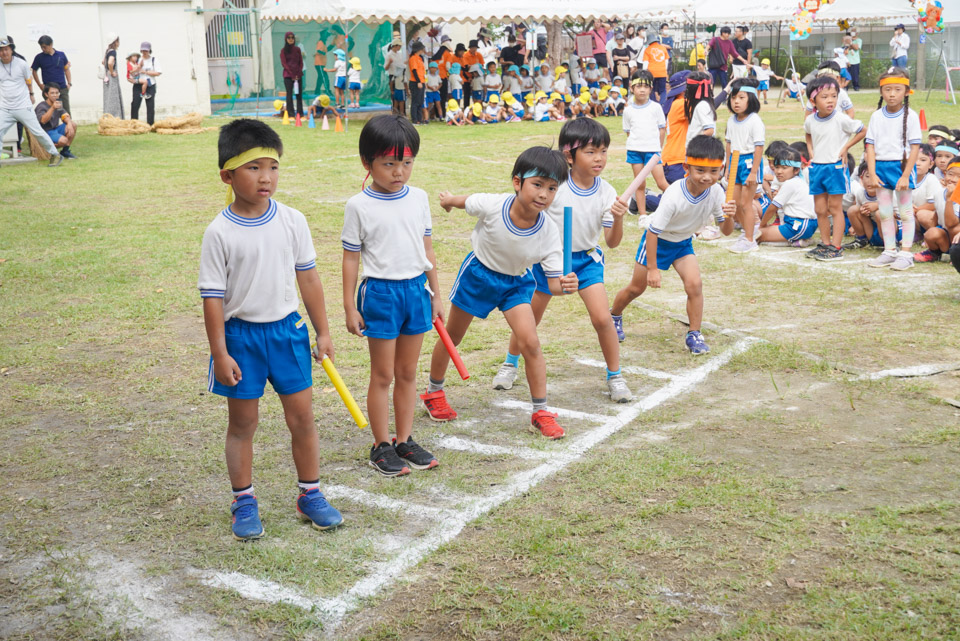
x=793 y=484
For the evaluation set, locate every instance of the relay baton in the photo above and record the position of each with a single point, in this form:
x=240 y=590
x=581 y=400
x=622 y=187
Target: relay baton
x=451 y=348
x=342 y=390
x=732 y=175
x=567 y=240
x=640 y=178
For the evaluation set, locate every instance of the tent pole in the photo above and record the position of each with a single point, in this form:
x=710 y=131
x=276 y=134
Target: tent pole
x=779 y=30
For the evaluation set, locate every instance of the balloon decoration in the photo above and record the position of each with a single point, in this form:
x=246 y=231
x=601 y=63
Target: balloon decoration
x=930 y=16
x=711 y=29
x=844 y=25
x=802 y=24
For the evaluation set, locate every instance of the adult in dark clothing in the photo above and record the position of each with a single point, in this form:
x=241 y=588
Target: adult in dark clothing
x=620 y=57
x=55 y=120
x=150 y=67
x=510 y=55
x=720 y=50
x=742 y=61
x=291 y=59
x=54 y=67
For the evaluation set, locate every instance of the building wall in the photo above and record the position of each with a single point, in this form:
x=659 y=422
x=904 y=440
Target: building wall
x=79 y=29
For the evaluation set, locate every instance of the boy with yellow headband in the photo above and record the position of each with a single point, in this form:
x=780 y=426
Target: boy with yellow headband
x=254 y=256
x=685 y=207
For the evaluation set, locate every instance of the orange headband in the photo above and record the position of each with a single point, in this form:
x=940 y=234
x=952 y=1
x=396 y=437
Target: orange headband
x=953 y=165
x=895 y=81
x=704 y=162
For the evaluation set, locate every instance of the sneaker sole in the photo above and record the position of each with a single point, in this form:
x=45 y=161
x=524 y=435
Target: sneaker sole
x=440 y=420
x=879 y=266
x=900 y=269
x=429 y=466
x=621 y=400
x=829 y=259
x=503 y=386
x=403 y=472
x=316 y=526
x=249 y=538
x=535 y=430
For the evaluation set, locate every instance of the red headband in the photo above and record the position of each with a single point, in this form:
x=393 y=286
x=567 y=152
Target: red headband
x=703 y=87
x=393 y=152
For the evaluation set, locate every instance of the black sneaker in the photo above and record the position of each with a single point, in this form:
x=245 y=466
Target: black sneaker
x=66 y=153
x=857 y=243
x=830 y=253
x=384 y=459
x=817 y=251
x=416 y=456
x=632 y=207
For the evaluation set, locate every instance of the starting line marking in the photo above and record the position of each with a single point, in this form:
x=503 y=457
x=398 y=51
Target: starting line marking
x=910 y=372
x=630 y=369
x=380 y=501
x=511 y=404
x=466 y=445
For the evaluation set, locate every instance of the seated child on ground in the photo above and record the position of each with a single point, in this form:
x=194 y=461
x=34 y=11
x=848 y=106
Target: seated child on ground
x=793 y=200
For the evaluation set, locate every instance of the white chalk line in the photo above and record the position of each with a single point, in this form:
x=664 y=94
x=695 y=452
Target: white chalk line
x=836 y=267
x=630 y=369
x=342 y=492
x=911 y=372
x=465 y=445
x=332 y=611
x=510 y=404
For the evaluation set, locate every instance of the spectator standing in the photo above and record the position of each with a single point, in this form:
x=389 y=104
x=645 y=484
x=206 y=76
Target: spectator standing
x=620 y=57
x=853 y=58
x=54 y=67
x=418 y=75
x=55 y=120
x=667 y=41
x=291 y=59
x=899 y=45
x=636 y=40
x=699 y=52
x=16 y=98
x=510 y=55
x=720 y=51
x=742 y=61
x=13 y=47
x=599 y=34
x=150 y=67
x=112 y=94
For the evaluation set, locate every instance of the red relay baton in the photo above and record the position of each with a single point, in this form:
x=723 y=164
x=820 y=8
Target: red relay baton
x=451 y=349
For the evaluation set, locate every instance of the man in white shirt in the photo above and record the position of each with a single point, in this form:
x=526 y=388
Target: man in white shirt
x=899 y=45
x=16 y=98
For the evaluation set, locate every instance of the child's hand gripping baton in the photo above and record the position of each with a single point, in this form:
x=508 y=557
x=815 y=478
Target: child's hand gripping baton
x=732 y=175
x=640 y=178
x=342 y=390
x=451 y=348
x=567 y=240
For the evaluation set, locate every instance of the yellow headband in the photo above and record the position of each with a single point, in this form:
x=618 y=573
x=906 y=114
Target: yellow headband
x=249 y=155
x=704 y=162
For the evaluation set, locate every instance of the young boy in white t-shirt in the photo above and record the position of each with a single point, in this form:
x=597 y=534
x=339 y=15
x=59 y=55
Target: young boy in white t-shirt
x=646 y=127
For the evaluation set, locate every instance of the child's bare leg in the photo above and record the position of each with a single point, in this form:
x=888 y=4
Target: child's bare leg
x=143 y=87
x=405 y=384
x=636 y=286
x=382 y=357
x=641 y=194
x=457 y=323
x=820 y=205
x=835 y=208
x=771 y=234
x=748 y=217
x=243 y=414
x=524 y=326
x=595 y=299
x=539 y=305
x=298 y=411
x=937 y=239
x=658 y=176
x=689 y=270
x=926 y=218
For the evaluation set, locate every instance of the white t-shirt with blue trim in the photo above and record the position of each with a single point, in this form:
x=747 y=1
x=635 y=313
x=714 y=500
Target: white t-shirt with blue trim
x=702 y=119
x=745 y=135
x=680 y=215
x=591 y=211
x=829 y=135
x=503 y=247
x=926 y=190
x=885 y=133
x=388 y=231
x=643 y=124
x=794 y=199
x=251 y=263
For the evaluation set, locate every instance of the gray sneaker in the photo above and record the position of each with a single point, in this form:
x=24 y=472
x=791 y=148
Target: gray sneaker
x=816 y=251
x=884 y=260
x=505 y=377
x=55 y=161
x=903 y=262
x=742 y=246
x=619 y=392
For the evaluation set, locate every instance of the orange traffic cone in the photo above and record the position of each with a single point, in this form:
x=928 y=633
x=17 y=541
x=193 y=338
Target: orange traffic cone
x=299 y=122
x=286 y=117
x=326 y=124
x=923 y=120
x=339 y=126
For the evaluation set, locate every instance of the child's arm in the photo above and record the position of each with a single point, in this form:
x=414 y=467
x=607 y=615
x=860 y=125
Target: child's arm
x=563 y=285
x=810 y=148
x=613 y=235
x=757 y=159
x=448 y=201
x=729 y=213
x=854 y=139
x=904 y=183
x=225 y=369
x=871 y=177
x=351 y=268
x=663 y=135
x=436 y=300
x=311 y=289
x=653 y=269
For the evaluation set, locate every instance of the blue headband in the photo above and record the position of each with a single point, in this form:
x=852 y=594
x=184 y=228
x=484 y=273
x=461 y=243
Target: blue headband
x=748 y=89
x=535 y=173
x=789 y=163
x=946 y=148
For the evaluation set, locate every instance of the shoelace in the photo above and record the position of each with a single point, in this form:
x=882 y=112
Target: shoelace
x=506 y=369
x=245 y=512
x=618 y=383
x=316 y=500
x=440 y=404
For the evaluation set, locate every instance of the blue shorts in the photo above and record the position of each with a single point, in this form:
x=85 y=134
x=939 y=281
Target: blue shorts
x=889 y=172
x=393 y=307
x=476 y=96
x=456 y=94
x=794 y=95
x=743 y=169
x=668 y=252
x=57 y=132
x=355 y=86
x=478 y=290
x=575 y=89
x=641 y=157
x=763 y=85
x=797 y=228
x=545 y=118
x=523 y=95
x=595 y=84
x=491 y=93
x=341 y=82
x=845 y=74
x=433 y=96
x=673 y=173
x=519 y=113
x=399 y=95
x=588 y=266
x=829 y=178
x=764 y=202
x=278 y=352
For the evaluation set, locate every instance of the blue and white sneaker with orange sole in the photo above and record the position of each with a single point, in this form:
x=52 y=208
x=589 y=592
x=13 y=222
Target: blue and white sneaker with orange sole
x=246 y=518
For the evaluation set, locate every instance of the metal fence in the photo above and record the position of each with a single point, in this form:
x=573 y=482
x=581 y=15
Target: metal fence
x=228 y=34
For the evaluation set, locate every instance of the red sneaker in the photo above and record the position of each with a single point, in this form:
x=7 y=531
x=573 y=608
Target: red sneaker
x=927 y=256
x=546 y=423
x=437 y=406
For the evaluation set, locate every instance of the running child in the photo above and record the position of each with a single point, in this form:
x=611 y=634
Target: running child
x=353 y=81
x=745 y=134
x=793 y=200
x=830 y=135
x=492 y=82
x=512 y=233
x=892 y=145
x=596 y=209
x=388 y=227
x=646 y=127
x=433 y=82
x=254 y=329
x=686 y=206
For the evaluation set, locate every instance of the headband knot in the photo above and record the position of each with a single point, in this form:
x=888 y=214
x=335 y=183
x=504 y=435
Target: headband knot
x=703 y=87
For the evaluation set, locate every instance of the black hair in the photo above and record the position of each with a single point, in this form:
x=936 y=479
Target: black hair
x=956 y=135
x=387 y=132
x=820 y=82
x=788 y=155
x=701 y=61
x=948 y=143
x=243 y=134
x=706 y=147
x=50 y=85
x=774 y=147
x=851 y=163
x=724 y=30
x=743 y=28
x=541 y=161
x=753 y=101
x=927 y=150
x=801 y=148
x=897 y=72
x=862 y=168
x=45 y=41
x=690 y=100
x=832 y=65
x=582 y=132
x=645 y=77
x=662 y=25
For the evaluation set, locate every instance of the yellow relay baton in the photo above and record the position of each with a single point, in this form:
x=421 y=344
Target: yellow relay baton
x=342 y=390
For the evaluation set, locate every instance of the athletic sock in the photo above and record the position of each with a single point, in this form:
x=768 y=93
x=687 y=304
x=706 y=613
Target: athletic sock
x=539 y=404
x=513 y=359
x=306 y=486
x=243 y=490
x=612 y=374
x=434 y=386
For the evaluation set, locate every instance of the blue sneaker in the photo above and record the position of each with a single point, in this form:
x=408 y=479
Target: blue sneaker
x=313 y=507
x=695 y=343
x=618 y=325
x=246 y=518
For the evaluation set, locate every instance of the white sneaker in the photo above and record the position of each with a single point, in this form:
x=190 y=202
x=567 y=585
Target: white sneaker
x=903 y=263
x=884 y=260
x=505 y=377
x=742 y=246
x=710 y=232
x=619 y=392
